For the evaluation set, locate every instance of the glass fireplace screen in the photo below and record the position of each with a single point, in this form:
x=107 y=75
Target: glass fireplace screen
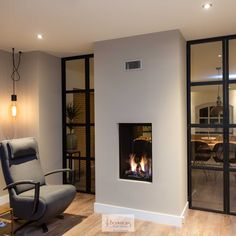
x=135 y=141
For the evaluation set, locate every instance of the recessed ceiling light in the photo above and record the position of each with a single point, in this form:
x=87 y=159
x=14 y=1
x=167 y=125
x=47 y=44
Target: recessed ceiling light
x=219 y=55
x=39 y=36
x=207 y=6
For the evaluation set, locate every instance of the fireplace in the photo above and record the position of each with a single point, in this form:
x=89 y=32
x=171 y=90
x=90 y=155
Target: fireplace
x=135 y=141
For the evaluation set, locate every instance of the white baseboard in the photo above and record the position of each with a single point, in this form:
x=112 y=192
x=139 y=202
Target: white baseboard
x=156 y=217
x=184 y=212
x=4 y=199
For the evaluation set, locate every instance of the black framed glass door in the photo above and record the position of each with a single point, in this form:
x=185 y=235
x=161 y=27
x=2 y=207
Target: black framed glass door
x=78 y=120
x=211 y=105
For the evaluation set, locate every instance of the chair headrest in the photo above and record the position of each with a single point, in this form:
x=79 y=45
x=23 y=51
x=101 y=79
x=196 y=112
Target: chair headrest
x=22 y=147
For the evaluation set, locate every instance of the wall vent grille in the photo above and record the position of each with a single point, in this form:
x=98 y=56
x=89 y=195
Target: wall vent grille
x=133 y=65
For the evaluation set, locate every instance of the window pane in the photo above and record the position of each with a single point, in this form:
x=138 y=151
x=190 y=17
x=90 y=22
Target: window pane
x=205 y=59
x=207 y=189
x=232 y=59
x=207 y=147
x=203 y=121
x=203 y=112
x=203 y=98
x=75 y=74
x=215 y=121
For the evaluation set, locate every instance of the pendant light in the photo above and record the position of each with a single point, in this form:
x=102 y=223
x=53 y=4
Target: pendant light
x=15 y=76
x=218 y=109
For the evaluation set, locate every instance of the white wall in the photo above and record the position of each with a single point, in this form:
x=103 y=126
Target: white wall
x=155 y=94
x=39 y=106
x=5 y=93
x=50 y=115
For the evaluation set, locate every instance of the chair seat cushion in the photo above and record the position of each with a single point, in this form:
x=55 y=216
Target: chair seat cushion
x=56 y=198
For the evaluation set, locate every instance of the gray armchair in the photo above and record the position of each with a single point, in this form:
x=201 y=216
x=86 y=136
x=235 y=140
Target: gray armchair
x=30 y=197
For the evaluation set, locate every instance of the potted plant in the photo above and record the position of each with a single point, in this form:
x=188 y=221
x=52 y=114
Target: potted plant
x=72 y=112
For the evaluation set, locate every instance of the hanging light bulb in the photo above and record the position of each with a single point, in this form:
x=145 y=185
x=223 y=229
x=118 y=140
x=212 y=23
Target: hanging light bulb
x=15 y=76
x=218 y=109
x=13 y=105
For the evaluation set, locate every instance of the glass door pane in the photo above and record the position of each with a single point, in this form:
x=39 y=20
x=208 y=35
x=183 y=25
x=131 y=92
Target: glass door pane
x=232 y=120
x=232 y=193
x=212 y=159
x=91 y=73
x=207 y=104
x=207 y=189
x=77 y=101
x=232 y=148
x=75 y=74
x=80 y=175
x=232 y=59
x=232 y=103
x=207 y=147
x=205 y=59
x=79 y=149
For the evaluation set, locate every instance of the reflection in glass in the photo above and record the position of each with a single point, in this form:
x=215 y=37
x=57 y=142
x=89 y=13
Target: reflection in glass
x=203 y=101
x=75 y=74
x=207 y=147
x=232 y=59
x=207 y=189
x=205 y=58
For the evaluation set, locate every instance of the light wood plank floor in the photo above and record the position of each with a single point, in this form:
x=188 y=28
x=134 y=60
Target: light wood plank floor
x=81 y=221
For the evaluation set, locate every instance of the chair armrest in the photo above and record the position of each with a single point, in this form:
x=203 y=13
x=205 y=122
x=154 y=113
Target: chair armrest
x=36 y=190
x=72 y=174
x=58 y=171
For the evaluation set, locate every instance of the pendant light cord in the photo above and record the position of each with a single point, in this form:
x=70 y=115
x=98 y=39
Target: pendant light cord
x=218 y=69
x=15 y=76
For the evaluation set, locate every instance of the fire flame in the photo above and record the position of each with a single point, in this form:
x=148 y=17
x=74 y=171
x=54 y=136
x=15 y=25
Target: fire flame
x=143 y=163
x=134 y=165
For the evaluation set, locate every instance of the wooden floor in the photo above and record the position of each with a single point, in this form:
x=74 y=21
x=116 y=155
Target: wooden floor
x=81 y=221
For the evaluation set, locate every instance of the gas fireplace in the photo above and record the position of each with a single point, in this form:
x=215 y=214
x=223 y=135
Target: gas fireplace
x=135 y=140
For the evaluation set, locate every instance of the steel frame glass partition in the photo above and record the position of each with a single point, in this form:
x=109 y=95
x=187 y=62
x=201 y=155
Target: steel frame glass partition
x=211 y=127
x=78 y=92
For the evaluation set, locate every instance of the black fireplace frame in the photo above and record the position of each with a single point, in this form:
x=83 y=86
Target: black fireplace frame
x=121 y=175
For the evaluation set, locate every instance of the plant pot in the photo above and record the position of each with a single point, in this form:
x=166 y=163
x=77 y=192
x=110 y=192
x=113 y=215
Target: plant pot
x=71 y=141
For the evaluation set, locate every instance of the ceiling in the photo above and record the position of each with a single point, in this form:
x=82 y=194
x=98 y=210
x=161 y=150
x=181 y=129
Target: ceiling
x=71 y=26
